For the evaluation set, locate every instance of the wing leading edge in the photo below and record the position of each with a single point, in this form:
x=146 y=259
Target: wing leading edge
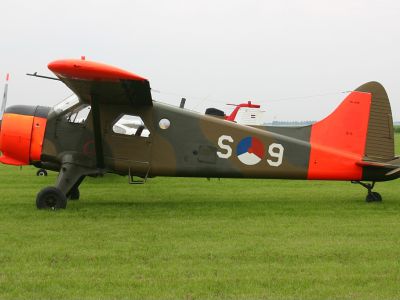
x=93 y=81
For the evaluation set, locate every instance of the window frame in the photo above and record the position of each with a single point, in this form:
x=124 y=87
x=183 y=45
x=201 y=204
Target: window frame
x=143 y=124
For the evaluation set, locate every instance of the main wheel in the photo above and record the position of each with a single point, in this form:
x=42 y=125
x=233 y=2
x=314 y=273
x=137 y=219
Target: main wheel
x=373 y=197
x=74 y=194
x=51 y=198
x=41 y=172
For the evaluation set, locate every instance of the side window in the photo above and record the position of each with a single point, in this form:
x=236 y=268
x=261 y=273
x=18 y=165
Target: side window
x=130 y=125
x=79 y=115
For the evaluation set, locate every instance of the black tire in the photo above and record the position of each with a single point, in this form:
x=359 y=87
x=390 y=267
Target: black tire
x=51 y=198
x=373 y=197
x=41 y=172
x=74 y=194
x=377 y=196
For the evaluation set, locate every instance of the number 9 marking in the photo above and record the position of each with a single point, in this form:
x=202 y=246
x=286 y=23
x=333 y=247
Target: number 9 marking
x=275 y=151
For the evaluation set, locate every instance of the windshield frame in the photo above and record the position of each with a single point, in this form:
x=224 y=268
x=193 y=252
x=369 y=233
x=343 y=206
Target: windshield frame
x=66 y=105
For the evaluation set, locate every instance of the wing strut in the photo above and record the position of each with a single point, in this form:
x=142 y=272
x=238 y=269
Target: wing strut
x=98 y=141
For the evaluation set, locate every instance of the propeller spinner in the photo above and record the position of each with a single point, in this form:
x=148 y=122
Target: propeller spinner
x=22 y=130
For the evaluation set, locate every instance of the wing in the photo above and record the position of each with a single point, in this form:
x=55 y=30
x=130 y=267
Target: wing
x=102 y=83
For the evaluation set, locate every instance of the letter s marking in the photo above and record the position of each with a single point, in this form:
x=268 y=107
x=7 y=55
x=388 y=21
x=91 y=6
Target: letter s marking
x=227 y=148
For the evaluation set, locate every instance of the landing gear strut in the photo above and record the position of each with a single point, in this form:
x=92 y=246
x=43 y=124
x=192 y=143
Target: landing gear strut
x=371 y=196
x=67 y=187
x=74 y=192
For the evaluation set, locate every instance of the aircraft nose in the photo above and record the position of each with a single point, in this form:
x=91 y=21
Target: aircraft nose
x=22 y=133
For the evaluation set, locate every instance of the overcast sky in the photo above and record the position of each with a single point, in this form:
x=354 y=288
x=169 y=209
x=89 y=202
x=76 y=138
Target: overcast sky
x=275 y=53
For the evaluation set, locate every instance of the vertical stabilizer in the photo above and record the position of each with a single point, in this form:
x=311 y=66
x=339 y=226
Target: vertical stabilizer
x=361 y=128
x=380 y=136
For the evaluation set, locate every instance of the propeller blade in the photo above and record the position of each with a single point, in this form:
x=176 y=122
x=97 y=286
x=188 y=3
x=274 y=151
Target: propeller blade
x=3 y=104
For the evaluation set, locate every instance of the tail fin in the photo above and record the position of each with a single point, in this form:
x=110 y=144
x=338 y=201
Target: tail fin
x=361 y=127
x=380 y=136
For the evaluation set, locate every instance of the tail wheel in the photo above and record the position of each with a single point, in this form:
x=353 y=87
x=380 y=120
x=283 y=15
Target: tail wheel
x=373 y=197
x=51 y=198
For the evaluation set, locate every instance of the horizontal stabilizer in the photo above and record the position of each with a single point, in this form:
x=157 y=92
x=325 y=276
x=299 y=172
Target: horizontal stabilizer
x=392 y=166
x=369 y=163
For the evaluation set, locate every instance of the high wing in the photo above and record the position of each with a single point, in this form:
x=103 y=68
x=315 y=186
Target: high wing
x=97 y=83
x=102 y=83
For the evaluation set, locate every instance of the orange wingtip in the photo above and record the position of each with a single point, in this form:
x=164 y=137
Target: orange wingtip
x=89 y=70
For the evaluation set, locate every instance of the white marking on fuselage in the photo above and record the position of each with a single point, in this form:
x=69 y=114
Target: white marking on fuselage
x=227 y=148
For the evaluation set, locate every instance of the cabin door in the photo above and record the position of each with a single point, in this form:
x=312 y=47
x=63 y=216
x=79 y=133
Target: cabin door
x=129 y=145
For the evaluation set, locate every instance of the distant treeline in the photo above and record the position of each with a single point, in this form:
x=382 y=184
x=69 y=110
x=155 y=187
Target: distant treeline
x=291 y=123
x=305 y=123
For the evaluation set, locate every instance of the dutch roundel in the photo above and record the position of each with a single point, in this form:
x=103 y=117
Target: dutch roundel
x=250 y=151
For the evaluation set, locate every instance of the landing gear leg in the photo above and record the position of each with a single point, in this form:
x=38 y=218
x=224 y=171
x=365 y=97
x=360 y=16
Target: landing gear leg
x=68 y=180
x=371 y=196
x=74 y=193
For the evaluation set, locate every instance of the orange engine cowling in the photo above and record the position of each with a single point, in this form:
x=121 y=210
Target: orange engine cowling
x=21 y=137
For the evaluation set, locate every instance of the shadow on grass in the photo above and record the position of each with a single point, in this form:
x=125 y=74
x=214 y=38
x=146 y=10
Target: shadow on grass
x=241 y=207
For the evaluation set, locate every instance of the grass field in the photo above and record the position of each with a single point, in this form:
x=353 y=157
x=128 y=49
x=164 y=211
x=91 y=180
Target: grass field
x=197 y=239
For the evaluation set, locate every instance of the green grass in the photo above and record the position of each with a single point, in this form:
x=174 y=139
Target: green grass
x=197 y=239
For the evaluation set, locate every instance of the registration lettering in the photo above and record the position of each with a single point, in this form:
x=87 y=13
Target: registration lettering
x=251 y=151
x=227 y=150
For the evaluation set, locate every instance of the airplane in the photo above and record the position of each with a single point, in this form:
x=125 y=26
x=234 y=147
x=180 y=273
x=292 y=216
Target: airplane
x=111 y=124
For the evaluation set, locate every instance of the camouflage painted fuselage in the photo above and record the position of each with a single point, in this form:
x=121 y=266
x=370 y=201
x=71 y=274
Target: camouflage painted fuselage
x=205 y=146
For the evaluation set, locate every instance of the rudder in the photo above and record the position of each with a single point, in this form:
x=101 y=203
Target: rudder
x=380 y=136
